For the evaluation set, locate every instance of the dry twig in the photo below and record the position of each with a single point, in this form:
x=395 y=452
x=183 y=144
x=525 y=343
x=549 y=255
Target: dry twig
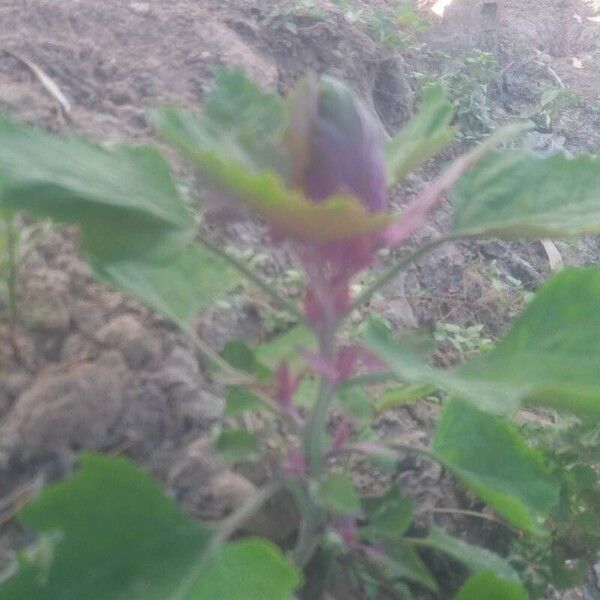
x=47 y=83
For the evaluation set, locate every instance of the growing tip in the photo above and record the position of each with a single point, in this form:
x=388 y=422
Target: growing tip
x=336 y=144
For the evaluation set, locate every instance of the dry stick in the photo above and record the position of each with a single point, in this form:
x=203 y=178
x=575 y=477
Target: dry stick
x=14 y=510
x=237 y=377
x=555 y=259
x=10 y=505
x=229 y=525
x=553 y=73
x=226 y=529
x=121 y=448
x=47 y=83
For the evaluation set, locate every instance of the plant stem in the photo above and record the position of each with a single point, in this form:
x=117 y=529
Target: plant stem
x=315 y=437
x=396 y=268
x=309 y=534
x=284 y=303
x=315 y=450
x=315 y=443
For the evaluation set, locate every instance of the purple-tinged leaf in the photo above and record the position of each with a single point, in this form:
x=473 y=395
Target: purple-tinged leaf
x=345 y=146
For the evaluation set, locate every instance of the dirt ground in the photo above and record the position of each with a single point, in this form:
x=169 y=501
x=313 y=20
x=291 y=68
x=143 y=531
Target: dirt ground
x=97 y=371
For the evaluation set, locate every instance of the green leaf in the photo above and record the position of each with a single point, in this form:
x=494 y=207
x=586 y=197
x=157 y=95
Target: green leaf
x=549 y=357
x=240 y=400
x=237 y=445
x=267 y=356
x=475 y=558
x=518 y=194
x=423 y=137
x=118 y=536
x=412 y=369
x=123 y=200
x=178 y=287
x=337 y=493
x=242 y=109
x=225 y=166
x=240 y=121
x=239 y=355
x=285 y=346
x=356 y=404
x=401 y=396
x=247 y=570
x=402 y=561
x=109 y=533
x=389 y=516
x=383 y=463
x=307 y=392
x=489 y=456
x=489 y=586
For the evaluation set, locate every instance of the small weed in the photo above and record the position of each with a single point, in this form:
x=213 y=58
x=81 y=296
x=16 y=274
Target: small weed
x=563 y=559
x=466 y=340
x=468 y=80
x=395 y=28
x=552 y=104
x=506 y=285
x=352 y=13
x=286 y=16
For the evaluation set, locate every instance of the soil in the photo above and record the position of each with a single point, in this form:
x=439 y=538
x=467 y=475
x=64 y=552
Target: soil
x=91 y=369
